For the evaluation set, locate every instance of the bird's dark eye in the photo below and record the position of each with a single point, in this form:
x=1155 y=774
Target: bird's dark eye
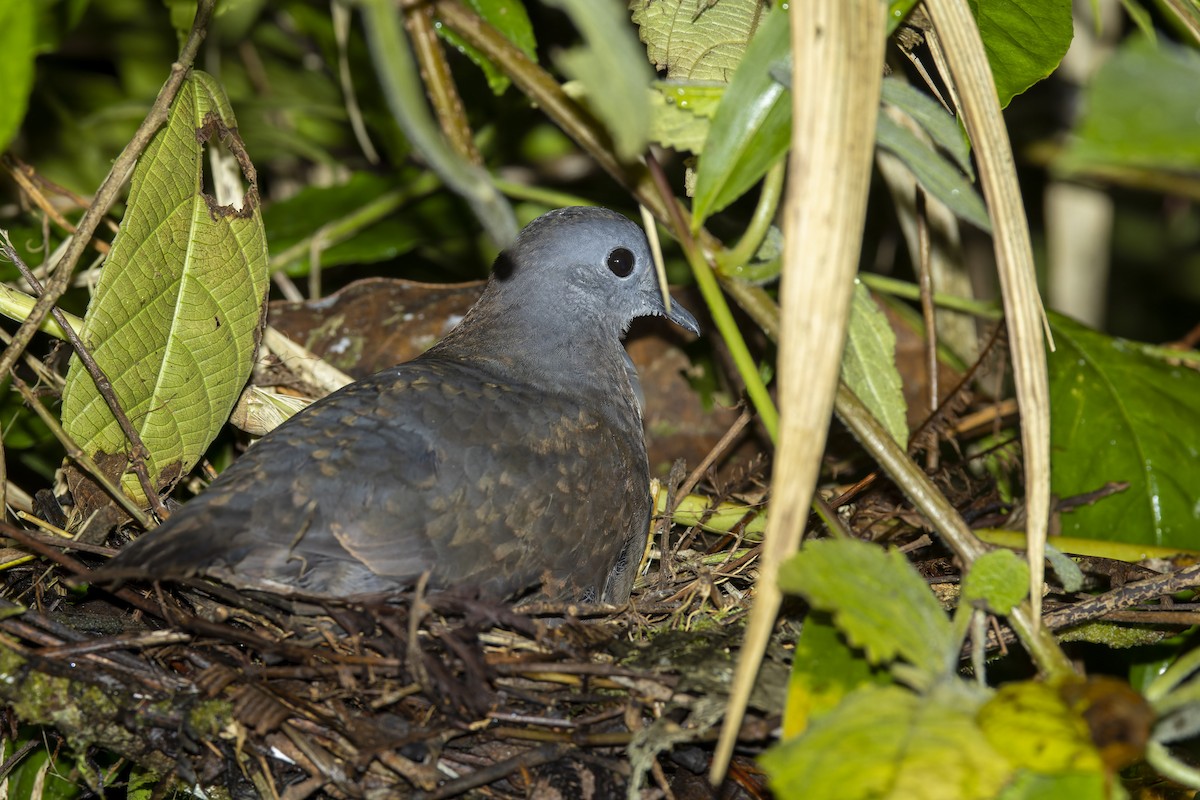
x=620 y=261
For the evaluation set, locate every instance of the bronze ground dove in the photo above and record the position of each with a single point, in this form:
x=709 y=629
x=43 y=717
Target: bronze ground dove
x=508 y=458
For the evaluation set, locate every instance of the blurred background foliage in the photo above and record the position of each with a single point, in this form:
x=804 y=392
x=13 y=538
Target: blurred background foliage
x=1108 y=147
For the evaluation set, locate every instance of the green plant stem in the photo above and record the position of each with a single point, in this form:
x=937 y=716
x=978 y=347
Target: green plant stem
x=535 y=194
x=439 y=83
x=76 y=454
x=137 y=448
x=364 y=216
x=706 y=280
x=403 y=90
x=910 y=291
x=760 y=223
x=946 y=520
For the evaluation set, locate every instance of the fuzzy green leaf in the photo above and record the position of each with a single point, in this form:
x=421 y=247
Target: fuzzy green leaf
x=824 y=670
x=869 y=364
x=998 y=579
x=175 y=319
x=885 y=742
x=879 y=602
x=681 y=113
x=697 y=41
x=1122 y=415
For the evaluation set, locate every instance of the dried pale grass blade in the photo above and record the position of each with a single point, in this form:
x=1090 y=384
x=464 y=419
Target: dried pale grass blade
x=971 y=76
x=838 y=48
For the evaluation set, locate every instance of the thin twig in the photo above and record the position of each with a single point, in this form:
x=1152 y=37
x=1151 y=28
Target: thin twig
x=439 y=83
x=137 y=448
x=76 y=454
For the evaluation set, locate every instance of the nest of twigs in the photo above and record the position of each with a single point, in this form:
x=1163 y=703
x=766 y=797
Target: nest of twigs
x=423 y=694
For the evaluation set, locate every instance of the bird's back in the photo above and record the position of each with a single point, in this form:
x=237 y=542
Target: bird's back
x=436 y=465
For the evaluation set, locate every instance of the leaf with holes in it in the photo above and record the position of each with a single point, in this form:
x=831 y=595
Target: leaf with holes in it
x=177 y=315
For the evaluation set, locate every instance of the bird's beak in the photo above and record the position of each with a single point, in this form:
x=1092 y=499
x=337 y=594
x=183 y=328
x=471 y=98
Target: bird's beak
x=682 y=317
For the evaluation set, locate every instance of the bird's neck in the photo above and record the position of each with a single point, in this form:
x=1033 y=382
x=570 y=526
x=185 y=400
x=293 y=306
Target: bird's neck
x=560 y=358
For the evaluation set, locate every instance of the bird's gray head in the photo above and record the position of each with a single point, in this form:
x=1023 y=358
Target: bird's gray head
x=583 y=268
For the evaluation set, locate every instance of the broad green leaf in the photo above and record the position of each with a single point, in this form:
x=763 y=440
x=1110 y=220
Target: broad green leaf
x=17 y=37
x=702 y=41
x=752 y=127
x=1140 y=110
x=824 y=670
x=37 y=775
x=935 y=120
x=613 y=70
x=681 y=113
x=998 y=579
x=885 y=742
x=175 y=319
x=935 y=174
x=1034 y=728
x=1119 y=414
x=869 y=364
x=510 y=18
x=1024 y=40
x=869 y=590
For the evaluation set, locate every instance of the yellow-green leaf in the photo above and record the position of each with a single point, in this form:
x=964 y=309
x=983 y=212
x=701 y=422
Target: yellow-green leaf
x=885 y=742
x=867 y=590
x=177 y=312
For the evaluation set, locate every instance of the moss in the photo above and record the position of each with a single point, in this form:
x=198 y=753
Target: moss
x=210 y=717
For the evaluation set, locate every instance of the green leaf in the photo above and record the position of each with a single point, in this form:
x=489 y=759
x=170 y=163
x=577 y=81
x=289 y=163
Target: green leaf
x=867 y=590
x=38 y=775
x=897 y=11
x=1119 y=414
x=17 y=39
x=1141 y=17
x=1075 y=785
x=681 y=113
x=175 y=319
x=998 y=579
x=752 y=127
x=869 y=364
x=509 y=18
x=1031 y=724
x=1024 y=40
x=697 y=41
x=613 y=70
x=1140 y=110
x=935 y=120
x=935 y=174
x=824 y=670
x=885 y=742
x=313 y=208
